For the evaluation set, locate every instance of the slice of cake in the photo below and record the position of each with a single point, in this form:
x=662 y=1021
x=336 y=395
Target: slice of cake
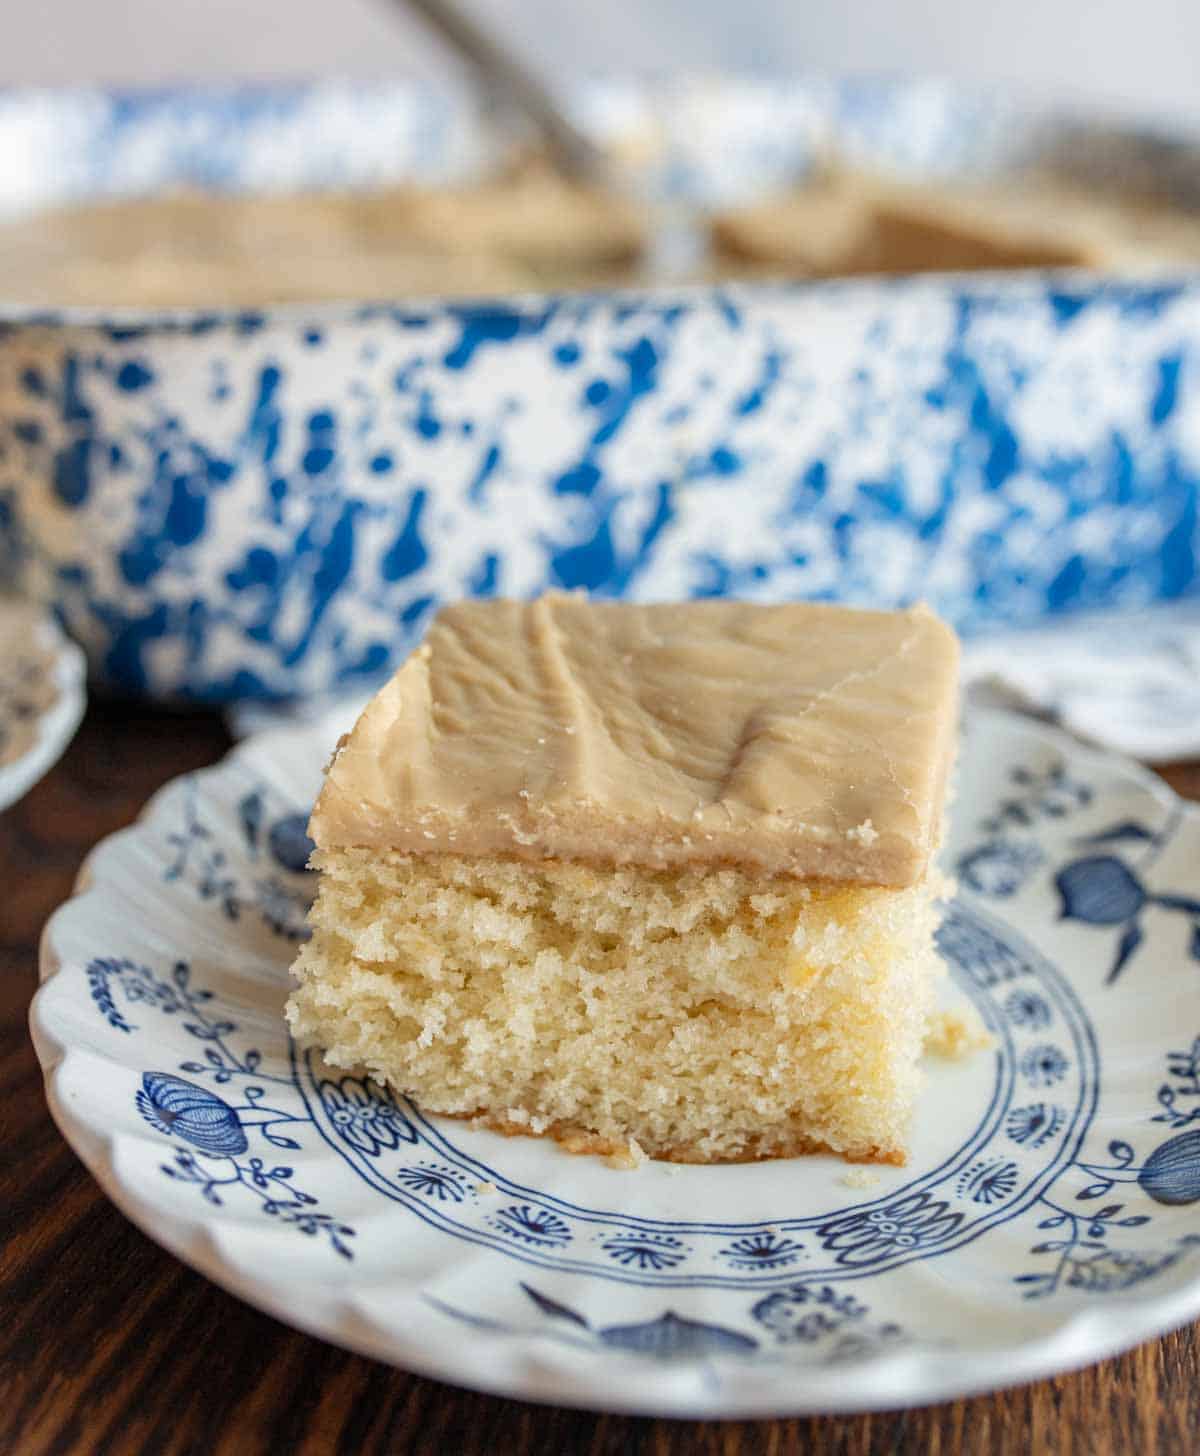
x=652 y=875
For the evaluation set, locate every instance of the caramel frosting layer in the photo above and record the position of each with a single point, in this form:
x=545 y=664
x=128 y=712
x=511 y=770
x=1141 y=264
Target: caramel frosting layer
x=806 y=739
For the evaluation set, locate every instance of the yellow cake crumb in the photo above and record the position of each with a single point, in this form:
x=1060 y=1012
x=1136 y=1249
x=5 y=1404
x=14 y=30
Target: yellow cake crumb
x=859 y=1178
x=955 y=1035
x=632 y=1155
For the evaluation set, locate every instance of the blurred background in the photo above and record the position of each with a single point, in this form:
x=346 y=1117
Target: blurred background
x=269 y=505
x=1114 y=53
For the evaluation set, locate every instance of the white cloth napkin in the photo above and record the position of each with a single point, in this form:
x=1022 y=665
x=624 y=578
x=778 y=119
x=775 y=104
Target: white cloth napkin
x=1128 y=680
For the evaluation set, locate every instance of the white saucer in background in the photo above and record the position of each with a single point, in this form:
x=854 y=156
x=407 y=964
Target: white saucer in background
x=51 y=727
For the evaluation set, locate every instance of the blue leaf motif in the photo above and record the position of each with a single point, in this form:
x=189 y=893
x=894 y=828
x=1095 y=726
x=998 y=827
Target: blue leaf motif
x=552 y=1308
x=250 y=815
x=999 y=868
x=671 y=1337
x=200 y=1117
x=1114 y=1269
x=1127 y=829
x=1096 y=1190
x=1128 y=944
x=1177 y=902
x=475 y=1321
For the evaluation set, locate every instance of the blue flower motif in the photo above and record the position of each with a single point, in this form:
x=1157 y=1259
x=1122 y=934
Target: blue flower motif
x=1044 y=1065
x=138 y=983
x=1082 y=1237
x=529 y=1225
x=250 y=817
x=98 y=972
x=1041 y=793
x=807 y=1313
x=917 y=1221
x=804 y=1312
x=283 y=910
x=178 y=1107
x=988 y=1181
x=645 y=1250
x=999 y=868
x=1117 y=1269
x=434 y=1180
x=761 y=1251
x=1035 y=1124
x=1028 y=1009
x=365 y=1116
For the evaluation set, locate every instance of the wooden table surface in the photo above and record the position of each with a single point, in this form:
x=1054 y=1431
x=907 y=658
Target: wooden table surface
x=108 y=1345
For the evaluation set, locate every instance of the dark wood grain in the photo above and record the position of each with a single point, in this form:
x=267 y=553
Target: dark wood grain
x=108 y=1345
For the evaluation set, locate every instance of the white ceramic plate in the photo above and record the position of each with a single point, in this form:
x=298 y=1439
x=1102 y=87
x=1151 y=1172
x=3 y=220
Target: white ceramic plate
x=1049 y=1216
x=54 y=727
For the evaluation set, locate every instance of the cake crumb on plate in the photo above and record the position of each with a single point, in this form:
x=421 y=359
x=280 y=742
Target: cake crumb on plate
x=632 y=1155
x=955 y=1035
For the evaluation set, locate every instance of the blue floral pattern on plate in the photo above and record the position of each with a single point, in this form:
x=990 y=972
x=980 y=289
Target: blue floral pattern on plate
x=1034 y=1177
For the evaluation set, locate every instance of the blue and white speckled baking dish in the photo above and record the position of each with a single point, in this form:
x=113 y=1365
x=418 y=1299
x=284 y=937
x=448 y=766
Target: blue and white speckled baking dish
x=271 y=503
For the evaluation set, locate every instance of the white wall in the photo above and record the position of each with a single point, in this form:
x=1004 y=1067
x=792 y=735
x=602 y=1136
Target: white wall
x=1139 y=53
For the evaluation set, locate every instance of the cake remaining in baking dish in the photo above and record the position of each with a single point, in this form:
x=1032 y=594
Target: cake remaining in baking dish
x=642 y=875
